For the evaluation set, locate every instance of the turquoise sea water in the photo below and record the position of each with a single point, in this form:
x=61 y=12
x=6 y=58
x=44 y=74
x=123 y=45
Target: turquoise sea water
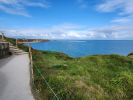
x=81 y=48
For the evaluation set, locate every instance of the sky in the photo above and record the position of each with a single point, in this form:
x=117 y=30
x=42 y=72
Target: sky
x=67 y=19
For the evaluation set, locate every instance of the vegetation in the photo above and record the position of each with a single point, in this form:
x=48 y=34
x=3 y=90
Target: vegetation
x=20 y=42
x=98 y=77
x=32 y=40
x=130 y=54
x=13 y=41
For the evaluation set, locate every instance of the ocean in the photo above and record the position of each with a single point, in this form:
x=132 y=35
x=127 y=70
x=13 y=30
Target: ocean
x=80 y=48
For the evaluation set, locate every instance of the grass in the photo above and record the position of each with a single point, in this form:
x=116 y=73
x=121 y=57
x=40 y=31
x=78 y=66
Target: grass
x=98 y=77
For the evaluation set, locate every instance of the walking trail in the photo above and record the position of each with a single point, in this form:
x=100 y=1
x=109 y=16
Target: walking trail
x=15 y=78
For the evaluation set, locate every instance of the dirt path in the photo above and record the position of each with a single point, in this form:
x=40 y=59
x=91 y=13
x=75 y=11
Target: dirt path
x=131 y=56
x=15 y=78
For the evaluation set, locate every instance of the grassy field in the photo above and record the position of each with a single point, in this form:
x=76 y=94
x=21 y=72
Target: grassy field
x=98 y=77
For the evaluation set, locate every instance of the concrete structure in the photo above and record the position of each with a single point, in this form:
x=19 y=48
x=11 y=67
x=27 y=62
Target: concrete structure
x=14 y=73
x=4 y=49
x=4 y=46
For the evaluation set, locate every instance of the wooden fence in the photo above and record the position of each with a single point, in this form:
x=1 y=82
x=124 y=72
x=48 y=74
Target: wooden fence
x=4 y=49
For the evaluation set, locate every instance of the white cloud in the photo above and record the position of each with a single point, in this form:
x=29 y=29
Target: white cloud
x=82 y=3
x=75 y=32
x=125 y=19
x=121 y=20
x=18 y=7
x=125 y=6
x=14 y=11
x=123 y=29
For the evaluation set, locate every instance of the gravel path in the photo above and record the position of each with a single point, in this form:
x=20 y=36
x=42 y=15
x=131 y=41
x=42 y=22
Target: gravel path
x=15 y=78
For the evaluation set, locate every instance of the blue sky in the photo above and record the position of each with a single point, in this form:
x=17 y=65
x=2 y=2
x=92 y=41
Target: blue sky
x=67 y=19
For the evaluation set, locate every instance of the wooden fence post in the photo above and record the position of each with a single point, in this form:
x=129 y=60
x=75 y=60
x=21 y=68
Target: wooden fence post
x=16 y=42
x=2 y=36
x=31 y=63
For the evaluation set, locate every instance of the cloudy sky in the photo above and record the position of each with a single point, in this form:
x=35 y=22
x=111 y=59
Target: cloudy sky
x=67 y=19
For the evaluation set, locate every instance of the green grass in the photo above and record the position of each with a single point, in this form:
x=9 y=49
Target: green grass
x=99 y=77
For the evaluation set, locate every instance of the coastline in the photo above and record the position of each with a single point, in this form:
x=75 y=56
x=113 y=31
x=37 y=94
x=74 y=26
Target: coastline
x=94 y=74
